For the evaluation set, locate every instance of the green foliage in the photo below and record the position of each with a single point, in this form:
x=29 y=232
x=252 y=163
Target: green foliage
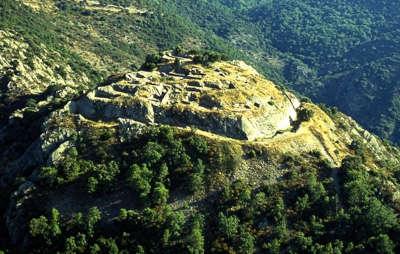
x=140 y=178
x=102 y=176
x=381 y=244
x=46 y=229
x=228 y=225
x=93 y=217
x=304 y=114
x=195 y=241
x=151 y=62
x=208 y=57
x=247 y=243
x=197 y=177
x=160 y=194
x=306 y=211
x=152 y=153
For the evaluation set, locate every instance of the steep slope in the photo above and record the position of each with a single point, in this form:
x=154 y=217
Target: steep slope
x=320 y=49
x=170 y=159
x=316 y=48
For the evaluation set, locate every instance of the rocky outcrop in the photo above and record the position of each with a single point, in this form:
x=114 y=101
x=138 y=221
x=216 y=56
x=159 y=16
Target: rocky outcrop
x=56 y=133
x=216 y=103
x=15 y=216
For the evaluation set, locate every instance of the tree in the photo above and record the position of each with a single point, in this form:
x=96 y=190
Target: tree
x=108 y=245
x=70 y=245
x=304 y=114
x=54 y=225
x=278 y=210
x=381 y=244
x=163 y=173
x=140 y=177
x=246 y=242
x=161 y=194
x=46 y=229
x=197 y=178
x=76 y=244
x=175 y=222
x=195 y=240
x=140 y=250
x=92 y=184
x=199 y=145
x=152 y=153
x=38 y=227
x=93 y=216
x=151 y=62
x=48 y=175
x=228 y=225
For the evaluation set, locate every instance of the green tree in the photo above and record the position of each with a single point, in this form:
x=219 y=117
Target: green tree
x=76 y=244
x=108 y=245
x=93 y=217
x=246 y=242
x=54 y=225
x=175 y=221
x=39 y=227
x=152 y=153
x=160 y=194
x=163 y=173
x=48 y=175
x=140 y=177
x=381 y=244
x=197 y=177
x=278 y=210
x=228 y=225
x=195 y=242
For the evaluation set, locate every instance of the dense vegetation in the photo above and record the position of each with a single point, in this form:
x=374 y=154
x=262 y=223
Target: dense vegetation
x=178 y=198
x=171 y=192
x=342 y=53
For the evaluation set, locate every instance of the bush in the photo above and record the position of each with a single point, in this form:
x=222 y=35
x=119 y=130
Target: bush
x=152 y=60
x=140 y=177
x=152 y=153
x=304 y=114
x=160 y=194
x=208 y=57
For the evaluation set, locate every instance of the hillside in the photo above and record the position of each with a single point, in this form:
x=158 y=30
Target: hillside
x=343 y=54
x=109 y=146
x=187 y=155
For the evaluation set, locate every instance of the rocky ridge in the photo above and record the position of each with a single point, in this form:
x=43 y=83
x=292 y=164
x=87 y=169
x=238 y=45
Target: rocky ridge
x=225 y=102
x=229 y=99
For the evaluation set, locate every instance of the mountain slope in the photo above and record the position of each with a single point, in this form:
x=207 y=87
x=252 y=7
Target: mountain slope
x=304 y=45
x=191 y=153
x=129 y=167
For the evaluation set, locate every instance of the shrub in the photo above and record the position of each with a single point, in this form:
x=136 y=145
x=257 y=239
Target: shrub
x=228 y=225
x=208 y=57
x=161 y=194
x=304 y=114
x=152 y=153
x=151 y=62
x=195 y=241
x=140 y=178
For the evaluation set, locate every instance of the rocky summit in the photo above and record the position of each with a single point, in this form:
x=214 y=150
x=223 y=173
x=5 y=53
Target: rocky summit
x=228 y=98
x=189 y=126
x=198 y=127
x=222 y=100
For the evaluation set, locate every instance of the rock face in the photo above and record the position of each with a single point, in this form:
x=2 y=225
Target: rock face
x=22 y=73
x=227 y=98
